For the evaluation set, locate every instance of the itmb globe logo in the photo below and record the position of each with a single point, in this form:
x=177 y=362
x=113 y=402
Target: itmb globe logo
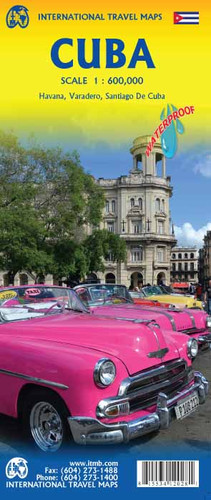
x=16 y=467
x=17 y=16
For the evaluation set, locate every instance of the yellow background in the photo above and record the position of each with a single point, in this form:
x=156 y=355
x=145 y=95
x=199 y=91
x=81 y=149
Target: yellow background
x=181 y=55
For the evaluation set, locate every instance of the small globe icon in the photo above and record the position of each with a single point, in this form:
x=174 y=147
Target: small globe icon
x=16 y=467
x=17 y=15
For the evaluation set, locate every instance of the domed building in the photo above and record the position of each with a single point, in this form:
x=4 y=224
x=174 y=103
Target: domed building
x=137 y=208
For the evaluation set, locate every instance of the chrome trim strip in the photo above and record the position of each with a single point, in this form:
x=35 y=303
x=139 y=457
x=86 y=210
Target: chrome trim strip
x=158 y=354
x=165 y=368
x=131 y=398
x=191 y=317
x=205 y=338
x=165 y=314
x=193 y=331
x=134 y=320
x=34 y=379
x=87 y=430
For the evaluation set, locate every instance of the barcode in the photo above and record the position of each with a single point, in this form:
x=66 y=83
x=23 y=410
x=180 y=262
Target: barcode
x=170 y=473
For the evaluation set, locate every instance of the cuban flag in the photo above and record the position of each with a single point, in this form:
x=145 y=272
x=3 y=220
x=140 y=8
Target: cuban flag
x=186 y=17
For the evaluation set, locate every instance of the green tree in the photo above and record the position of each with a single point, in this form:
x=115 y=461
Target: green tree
x=21 y=231
x=46 y=202
x=46 y=199
x=99 y=245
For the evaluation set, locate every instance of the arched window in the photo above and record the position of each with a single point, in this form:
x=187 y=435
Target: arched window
x=92 y=277
x=110 y=278
x=136 y=280
x=179 y=255
x=113 y=206
x=157 y=205
x=132 y=202
x=40 y=279
x=173 y=256
x=23 y=279
x=192 y=255
x=107 y=206
x=140 y=203
x=161 y=278
x=6 y=279
x=163 y=205
x=186 y=256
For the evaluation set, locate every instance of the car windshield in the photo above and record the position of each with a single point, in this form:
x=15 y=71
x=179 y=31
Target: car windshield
x=152 y=290
x=166 y=289
x=19 y=303
x=97 y=295
x=137 y=295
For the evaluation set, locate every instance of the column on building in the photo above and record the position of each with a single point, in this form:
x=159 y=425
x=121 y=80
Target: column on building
x=142 y=217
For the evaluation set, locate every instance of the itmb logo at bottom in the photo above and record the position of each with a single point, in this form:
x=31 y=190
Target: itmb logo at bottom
x=16 y=467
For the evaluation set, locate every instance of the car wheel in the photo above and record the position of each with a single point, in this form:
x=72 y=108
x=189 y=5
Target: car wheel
x=45 y=421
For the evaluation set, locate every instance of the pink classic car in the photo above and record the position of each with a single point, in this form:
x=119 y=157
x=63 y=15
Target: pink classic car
x=115 y=301
x=65 y=372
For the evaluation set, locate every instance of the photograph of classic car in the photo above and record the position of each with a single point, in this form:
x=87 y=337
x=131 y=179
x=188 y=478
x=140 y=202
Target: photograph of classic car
x=115 y=301
x=105 y=251
x=67 y=373
x=160 y=294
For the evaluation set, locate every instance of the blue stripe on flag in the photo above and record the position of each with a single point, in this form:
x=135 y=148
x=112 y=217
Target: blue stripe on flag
x=187 y=12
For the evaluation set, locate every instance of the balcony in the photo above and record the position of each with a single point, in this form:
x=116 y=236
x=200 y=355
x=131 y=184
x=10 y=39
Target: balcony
x=160 y=214
x=161 y=265
x=138 y=179
x=109 y=264
x=135 y=210
x=138 y=264
x=147 y=237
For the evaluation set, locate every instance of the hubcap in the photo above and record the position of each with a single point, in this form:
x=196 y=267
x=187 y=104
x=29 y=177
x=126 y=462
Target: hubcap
x=46 y=426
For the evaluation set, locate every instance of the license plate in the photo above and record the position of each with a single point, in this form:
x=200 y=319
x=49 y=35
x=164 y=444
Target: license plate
x=187 y=406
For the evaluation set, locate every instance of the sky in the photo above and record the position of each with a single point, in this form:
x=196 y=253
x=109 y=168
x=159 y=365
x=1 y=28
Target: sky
x=189 y=169
x=102 y=130
x=190 y=173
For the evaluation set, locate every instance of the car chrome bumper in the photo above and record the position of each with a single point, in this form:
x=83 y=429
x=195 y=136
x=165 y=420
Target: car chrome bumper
x=87 y=430
x=205 y=339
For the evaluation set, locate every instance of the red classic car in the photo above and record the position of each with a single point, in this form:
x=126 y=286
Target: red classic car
x=139 y=298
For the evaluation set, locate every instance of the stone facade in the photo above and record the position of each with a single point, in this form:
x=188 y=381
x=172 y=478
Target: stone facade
x=205 y=259
x=137 y=208
x=202 y=271
x=23 y=278
x=184 y=264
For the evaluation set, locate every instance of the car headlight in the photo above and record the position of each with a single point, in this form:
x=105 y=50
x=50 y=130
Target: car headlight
x=192 y=348
x=104 y=372
x=208 y=321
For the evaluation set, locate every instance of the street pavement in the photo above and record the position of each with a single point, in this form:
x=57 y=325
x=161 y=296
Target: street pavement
x=192 y=433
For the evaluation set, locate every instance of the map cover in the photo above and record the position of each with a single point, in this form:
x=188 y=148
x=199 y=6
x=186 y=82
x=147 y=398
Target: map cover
x=119 y=93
